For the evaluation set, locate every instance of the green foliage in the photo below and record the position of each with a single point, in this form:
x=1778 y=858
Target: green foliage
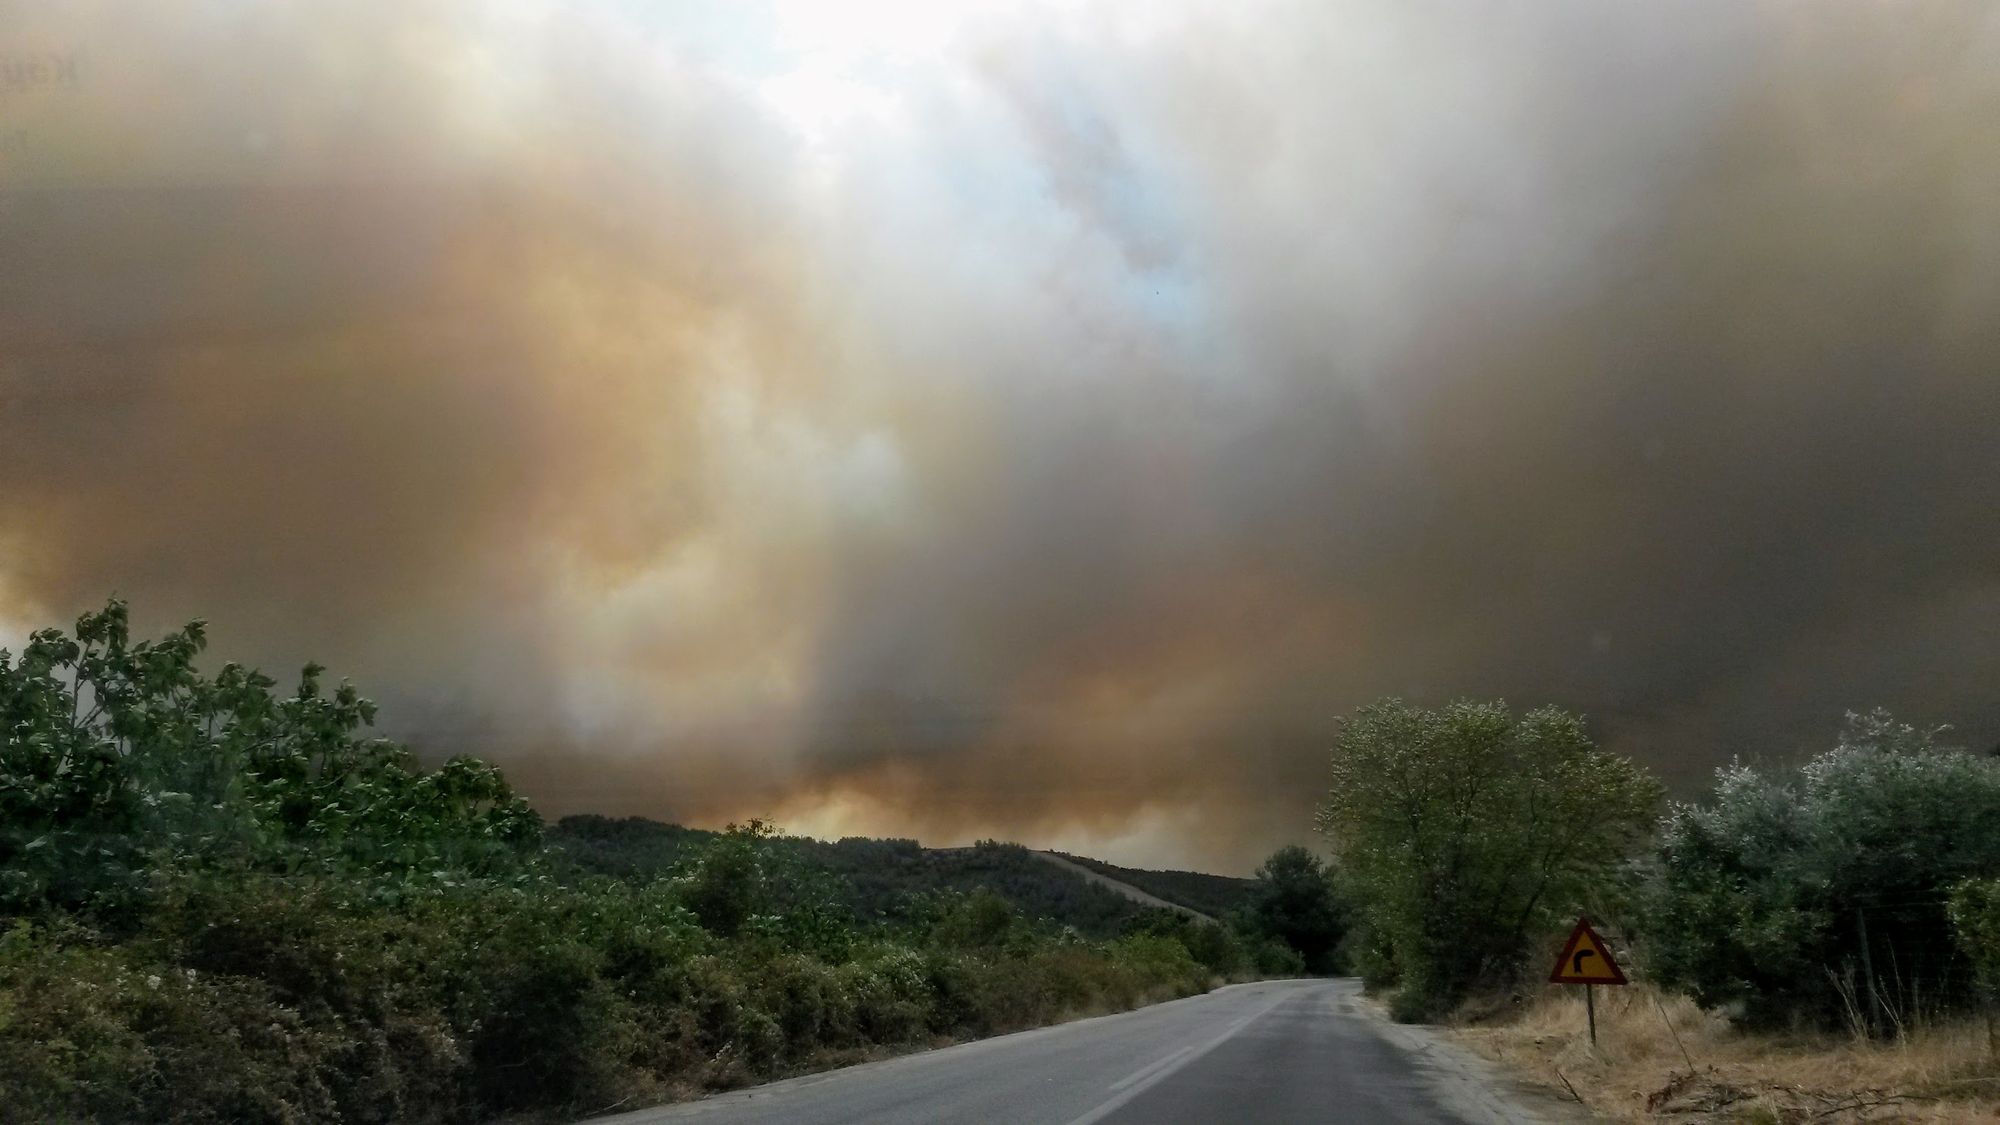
x=1217 y=949
x=111 y=1034
x=1270 y=958
x=1462 y=831
x=727 y=885
x=1763 y=894
x=1217 y=896
x=1975 y=924
x=218 y=903
x=623 y=847
x=121 y=757
x=1295 y=905
x=874 y=880
x=980 y=920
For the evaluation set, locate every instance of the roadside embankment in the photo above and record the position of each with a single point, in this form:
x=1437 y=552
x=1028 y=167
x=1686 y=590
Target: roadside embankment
x=1658 y=1056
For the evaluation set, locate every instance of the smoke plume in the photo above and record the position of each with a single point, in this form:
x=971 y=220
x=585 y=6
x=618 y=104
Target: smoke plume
x=1042 y=422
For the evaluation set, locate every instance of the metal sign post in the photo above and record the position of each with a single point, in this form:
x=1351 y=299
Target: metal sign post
x=1587 y=960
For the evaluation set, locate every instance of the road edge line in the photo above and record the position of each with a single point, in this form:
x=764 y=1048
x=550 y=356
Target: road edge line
x=1107 y=1108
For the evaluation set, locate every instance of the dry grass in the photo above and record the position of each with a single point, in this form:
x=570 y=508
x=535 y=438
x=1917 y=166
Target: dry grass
x=1660 y=1056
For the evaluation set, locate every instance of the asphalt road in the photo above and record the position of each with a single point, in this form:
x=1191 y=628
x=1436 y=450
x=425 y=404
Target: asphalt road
x=1275 y=1051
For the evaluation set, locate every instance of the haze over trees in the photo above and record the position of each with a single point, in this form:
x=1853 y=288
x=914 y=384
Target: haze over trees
x=220 y=901
x=874 y=876
x=1665 y=327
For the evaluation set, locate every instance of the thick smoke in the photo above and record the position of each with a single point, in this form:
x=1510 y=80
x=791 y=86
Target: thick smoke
x=1044 y=426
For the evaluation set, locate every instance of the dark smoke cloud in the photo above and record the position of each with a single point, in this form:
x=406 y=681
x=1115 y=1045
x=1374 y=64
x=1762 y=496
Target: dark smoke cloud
x=1050 y=441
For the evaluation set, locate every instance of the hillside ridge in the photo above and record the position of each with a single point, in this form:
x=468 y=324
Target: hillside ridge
x=877 y=875
x=1121 y=887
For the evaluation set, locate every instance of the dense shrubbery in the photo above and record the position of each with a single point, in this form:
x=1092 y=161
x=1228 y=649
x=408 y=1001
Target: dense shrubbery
x=120 y=760
x=1864 y=891
x=272 y=997
x=221 y=904
x=1824 y=897
x=1975 y=921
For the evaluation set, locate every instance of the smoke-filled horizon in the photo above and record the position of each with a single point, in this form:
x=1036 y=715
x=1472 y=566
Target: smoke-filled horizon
x=1035 y=421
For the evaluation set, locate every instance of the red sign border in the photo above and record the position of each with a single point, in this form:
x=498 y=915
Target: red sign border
x=1561 y=976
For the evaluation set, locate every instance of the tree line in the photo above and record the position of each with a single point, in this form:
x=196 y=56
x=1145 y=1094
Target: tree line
x=220 y=900
x=225 y=901
x=873 y=877
x=1861 y=889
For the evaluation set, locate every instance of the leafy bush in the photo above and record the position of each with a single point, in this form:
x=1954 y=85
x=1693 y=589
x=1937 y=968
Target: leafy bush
x=121 y=758
x=1975 y=923
x=1270 y=958
x=1763 y=894
x=1216 y=949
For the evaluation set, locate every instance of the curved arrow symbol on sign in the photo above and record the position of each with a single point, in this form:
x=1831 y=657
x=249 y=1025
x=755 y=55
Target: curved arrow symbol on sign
x=1585 y=959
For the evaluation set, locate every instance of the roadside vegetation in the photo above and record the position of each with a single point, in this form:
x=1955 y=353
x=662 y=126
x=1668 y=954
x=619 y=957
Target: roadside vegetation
x=1809 y=944
x=223 y=901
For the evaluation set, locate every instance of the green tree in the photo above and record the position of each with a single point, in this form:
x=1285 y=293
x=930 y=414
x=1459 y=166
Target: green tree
x=107 y=753
x=980 y=920
x=1294 y=903
x=1822 y=897
x=1463 y=831
x=728 y=884
x=120 y=757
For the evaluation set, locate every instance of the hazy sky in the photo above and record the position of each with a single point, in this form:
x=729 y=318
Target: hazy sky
x=1029 y=420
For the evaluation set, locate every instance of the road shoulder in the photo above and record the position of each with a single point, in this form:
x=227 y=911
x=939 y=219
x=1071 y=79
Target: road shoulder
x=1471 y=1085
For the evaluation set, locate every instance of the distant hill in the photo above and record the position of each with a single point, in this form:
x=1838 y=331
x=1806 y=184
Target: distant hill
x=1213 y=895
x=624 y=846
x=1126 y=889
x=877 y=875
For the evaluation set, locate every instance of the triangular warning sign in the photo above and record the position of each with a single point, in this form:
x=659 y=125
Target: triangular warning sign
x=1586 y=959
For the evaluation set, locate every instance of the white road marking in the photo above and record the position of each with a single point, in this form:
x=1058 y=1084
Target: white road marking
x=1145 y=1070
x=1160 y=1070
